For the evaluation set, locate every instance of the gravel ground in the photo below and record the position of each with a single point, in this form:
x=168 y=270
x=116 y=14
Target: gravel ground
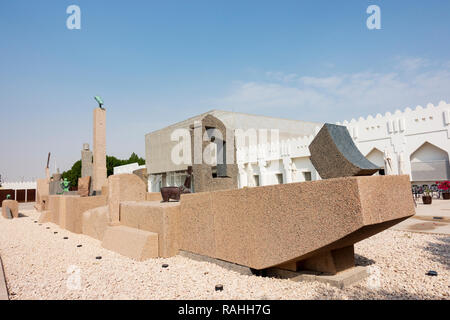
x=40 y=264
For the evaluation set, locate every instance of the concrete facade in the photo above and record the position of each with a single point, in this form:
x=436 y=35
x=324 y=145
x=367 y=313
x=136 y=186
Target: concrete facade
x=160 y=144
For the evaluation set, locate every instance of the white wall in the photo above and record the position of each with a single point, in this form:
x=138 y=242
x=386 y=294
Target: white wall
x=128 y=168
x=400 y=133
x=429 y=152
x=376 y=157
x=421 y=135
x=404 y=132
x=19 y=185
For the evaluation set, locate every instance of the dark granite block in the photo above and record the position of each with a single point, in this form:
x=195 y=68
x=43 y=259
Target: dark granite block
x=334 y=154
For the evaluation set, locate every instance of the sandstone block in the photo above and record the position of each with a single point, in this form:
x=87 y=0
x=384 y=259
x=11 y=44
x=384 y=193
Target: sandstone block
x=160 y=218
x=95 y=221
x=84 y=186
x=123 y=187
x=13 y=207
x=136 y=244
x=153 y=196
x=304 y=225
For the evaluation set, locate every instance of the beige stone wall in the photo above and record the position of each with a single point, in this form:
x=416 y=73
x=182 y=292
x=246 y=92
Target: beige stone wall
x=13 y=205
x=67 y=210
x=153 y=196
x=123 y=187
x=95 y=221
x=42 y=192
x=54 y=207
x=160 y=218
x=136 y=244
x=72 y=216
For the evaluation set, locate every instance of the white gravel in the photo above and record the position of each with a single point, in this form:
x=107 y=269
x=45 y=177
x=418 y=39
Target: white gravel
x=38 y=264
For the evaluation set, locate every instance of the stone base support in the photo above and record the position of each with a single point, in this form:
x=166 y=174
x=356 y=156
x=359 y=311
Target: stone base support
x=136 y=244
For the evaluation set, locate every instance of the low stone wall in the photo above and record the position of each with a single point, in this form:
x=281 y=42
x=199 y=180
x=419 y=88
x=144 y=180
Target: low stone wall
x=123 y=187
x=308 y=225
x=95 y=221
x=134 y=243
x=42 y=193
x=153 y=196
x=160 y=218
x=67 y=210
x=71 y=218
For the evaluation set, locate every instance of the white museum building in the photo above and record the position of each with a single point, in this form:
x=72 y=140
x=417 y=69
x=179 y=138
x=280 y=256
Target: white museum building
x=413 y=141
x=417 y=142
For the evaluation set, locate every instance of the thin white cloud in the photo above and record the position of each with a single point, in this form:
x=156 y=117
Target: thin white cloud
x=412 y=64
x=339 y=97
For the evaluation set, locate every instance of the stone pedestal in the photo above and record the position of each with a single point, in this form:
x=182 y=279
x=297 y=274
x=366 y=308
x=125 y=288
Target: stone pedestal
x=153 y=216
x=123 y=187
x=136 y=244
x=99 y=169
x=13 y=207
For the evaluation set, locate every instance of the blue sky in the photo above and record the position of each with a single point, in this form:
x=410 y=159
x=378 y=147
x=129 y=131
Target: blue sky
x=159 y=62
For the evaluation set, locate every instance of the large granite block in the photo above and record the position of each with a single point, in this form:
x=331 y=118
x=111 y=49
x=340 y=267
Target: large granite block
x=197 y=224
x=95 y=222
x=124 y=187
x=42 y=193
x=54 y=206
x=334 y=154
x=84 y=186
x=297 y=224
x=136 y=244
x=71 y=216
x=153 y=216
x=67 y=210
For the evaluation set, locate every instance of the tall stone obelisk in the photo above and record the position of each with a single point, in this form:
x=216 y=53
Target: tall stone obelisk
x=99 y=170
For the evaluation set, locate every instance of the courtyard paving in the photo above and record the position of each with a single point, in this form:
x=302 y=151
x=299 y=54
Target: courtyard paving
x=434 y=218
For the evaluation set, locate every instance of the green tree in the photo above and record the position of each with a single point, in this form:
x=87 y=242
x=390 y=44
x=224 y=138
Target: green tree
x=75 y=172
x=135 y=158
x=112 y=162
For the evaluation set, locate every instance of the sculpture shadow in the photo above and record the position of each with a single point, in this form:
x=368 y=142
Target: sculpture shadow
x=439 y=250
x=363 y=261
x=360 y=292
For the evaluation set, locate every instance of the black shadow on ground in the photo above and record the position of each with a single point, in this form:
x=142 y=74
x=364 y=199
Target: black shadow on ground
x=440 y=250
